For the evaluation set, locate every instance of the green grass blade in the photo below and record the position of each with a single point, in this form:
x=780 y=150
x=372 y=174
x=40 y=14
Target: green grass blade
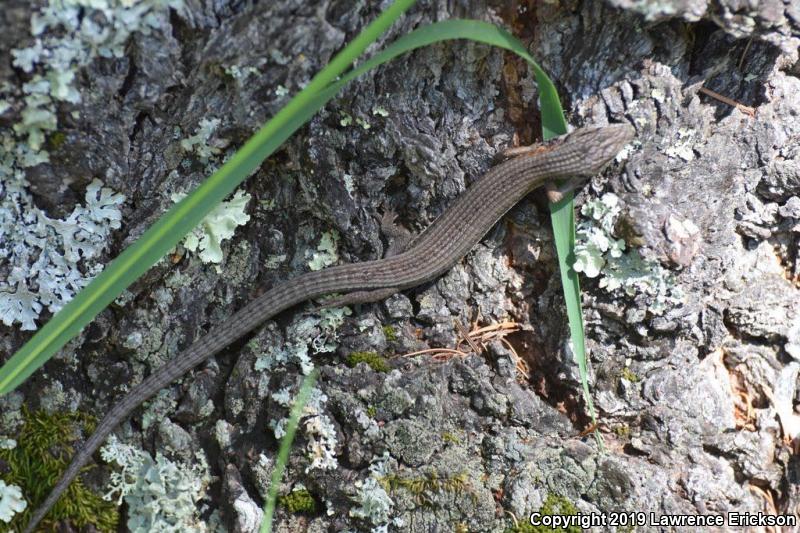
x=185 y=215
x=562 y=219
x=283 y=453
x=562 y=216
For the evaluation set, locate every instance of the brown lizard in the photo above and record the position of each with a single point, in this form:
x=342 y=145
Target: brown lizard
x=574 y=157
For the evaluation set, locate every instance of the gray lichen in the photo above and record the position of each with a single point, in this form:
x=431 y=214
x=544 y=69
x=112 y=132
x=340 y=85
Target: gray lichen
x=11 y=501
x=598 y=252
x=161 y=495
x=44 y=258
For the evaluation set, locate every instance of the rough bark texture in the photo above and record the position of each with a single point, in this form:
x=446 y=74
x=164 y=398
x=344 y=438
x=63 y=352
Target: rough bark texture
x=688 y=399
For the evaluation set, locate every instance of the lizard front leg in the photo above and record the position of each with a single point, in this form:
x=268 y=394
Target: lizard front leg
x=555 y=193
x=399 y=240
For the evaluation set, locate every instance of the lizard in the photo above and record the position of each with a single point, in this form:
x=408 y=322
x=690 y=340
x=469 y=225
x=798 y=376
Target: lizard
x=570 y=159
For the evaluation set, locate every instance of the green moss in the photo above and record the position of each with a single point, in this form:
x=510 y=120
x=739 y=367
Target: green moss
x=56 y=140
x=299 y=501
x=553 y=505
x=390 y=333
x=375 y=361
x=628 y=374
x=43 y=451
x=217 y=69
x=424 y=486
x=447 y=436
x=372 y=411
x=623 y=431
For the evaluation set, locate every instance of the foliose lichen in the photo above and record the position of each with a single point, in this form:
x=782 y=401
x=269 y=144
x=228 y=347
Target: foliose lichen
x=317 y=427
x=68 y=35
x=11 y=501
x=46 y=260
x=202 y=144
x=373 y=501
x=44 y=257
x=162 y=495
x=326 y=253
x=597 y=253
x=217 y=226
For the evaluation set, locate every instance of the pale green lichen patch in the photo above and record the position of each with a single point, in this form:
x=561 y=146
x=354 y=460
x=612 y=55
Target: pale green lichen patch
x=318 y=333
x=11 y=501
x=202 y=143
x=46 y=256
x=162 y=495
x=321 y=436
x=317 y=426
x=683 y=147
x=158 y=407
x=598 y=253
x=329 y=321
x=294 y=351
x=372 y=498
x=68 y=36
x=241 y=73
x=326 y=253
x=374 y=503
x=262 y=473
x=219 y=225
x=271 y=262
x=54 y=398
x=50 y=260
x=595 y=240
x=11 y=415
x=349 y=184
x=223 y=433
x=311 y=332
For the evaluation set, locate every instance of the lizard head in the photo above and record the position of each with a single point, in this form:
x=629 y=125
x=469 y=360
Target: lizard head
x=598 y=145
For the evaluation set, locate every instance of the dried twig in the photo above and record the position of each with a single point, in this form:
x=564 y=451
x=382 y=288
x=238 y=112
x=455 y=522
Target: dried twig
x=747 y=110
x=477 y=340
